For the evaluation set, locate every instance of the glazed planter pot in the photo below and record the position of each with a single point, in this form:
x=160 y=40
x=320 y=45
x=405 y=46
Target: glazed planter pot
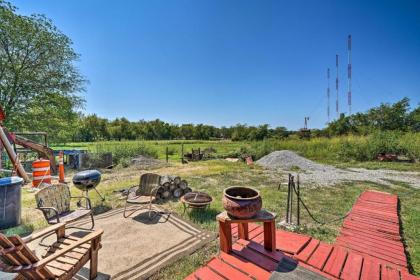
x=241 y=202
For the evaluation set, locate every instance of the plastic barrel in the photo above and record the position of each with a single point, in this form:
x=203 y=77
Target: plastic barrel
x=41 y=172
x=10 y=201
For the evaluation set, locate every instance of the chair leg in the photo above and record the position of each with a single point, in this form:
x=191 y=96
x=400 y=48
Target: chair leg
x=125 y=209
x=93 y=220
x=93 y=271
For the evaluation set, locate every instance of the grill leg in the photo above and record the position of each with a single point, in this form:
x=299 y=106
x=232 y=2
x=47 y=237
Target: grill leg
x=103 y=198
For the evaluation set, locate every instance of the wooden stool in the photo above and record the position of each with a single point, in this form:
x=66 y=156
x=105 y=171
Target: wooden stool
x=225 y=229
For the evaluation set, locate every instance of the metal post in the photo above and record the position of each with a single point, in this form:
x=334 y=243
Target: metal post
x=291 y=200
x=182 y=153
x=288 y=200
x=298 y=200
x=167 y=154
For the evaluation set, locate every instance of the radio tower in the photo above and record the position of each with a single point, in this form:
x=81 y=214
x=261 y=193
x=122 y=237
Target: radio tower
x=349 y=73
x=328 y=94
x=336 y=87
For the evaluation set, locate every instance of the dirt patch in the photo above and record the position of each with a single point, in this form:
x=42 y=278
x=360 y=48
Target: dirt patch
x=326 y=175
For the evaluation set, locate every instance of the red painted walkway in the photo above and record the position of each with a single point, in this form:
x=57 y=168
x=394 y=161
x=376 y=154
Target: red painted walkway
x=369 y=247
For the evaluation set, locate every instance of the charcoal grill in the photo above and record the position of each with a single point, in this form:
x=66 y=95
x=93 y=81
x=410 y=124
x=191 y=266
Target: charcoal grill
x=196 y=200
x=88 y=180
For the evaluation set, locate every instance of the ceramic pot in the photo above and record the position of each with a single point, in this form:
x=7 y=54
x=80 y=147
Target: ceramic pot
x=241 y=202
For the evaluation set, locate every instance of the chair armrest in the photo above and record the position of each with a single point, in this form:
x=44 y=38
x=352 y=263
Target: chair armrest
x=34 y=236
x=83 y=197
x=91 y=236
x=43 y=209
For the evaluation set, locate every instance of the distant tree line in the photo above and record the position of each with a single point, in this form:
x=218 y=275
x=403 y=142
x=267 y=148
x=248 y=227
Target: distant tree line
x=386 y=117
x=94 y=128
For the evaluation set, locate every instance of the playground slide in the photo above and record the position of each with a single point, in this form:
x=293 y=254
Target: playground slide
x=41 y=149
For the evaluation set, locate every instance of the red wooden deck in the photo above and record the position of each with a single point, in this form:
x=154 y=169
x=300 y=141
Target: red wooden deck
x=369 y=247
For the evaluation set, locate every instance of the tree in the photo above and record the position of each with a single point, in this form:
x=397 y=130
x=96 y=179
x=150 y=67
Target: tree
x=39 y=83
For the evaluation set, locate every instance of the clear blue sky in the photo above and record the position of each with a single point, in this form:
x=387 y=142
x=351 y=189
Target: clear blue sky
x=225 y=62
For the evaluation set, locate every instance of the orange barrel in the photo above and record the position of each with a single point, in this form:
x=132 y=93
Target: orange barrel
x=41 y=172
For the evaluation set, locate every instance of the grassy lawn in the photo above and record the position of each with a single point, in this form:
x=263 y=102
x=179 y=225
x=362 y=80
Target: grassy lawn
x=213 y=176
x=319 y=149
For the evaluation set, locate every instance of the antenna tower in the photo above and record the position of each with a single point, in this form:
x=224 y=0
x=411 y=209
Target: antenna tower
x=336 y=87
x=328 y=94
x=349 y=72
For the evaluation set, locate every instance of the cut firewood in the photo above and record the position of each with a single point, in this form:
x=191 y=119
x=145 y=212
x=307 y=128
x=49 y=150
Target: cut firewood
x=172 y=187
x=183 y=184
x=166 y=194
x=176 y=180
x=178 y=192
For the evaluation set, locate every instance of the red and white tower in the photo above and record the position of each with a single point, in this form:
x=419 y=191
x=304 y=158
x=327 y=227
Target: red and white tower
x=328 y=94
x=336 y=87
x=349 y=72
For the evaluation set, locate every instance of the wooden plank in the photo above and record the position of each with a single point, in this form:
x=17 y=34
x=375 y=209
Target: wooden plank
x=226 y=270
x=320 y=256
x=375 y=252
x=290 y=242
x=390 y=249
x=389 y=273
x=205 y=273
x=371 y=269
x=254 y=257
x=245 y=266
x=275 y=255
x=352 y=267
x=306 y=253
x=336 y=261
x=299 y=273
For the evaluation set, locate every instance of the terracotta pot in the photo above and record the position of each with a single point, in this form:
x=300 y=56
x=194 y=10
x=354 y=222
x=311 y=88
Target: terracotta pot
x=241 y=202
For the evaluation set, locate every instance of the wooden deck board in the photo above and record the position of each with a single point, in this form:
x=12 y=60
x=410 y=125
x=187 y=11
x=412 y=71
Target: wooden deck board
x=369 y=247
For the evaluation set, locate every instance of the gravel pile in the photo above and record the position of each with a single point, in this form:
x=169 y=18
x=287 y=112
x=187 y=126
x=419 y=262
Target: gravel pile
x=326 y=175
x=289 y=160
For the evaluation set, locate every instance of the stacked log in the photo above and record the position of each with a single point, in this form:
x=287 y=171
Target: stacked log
x=172 y=187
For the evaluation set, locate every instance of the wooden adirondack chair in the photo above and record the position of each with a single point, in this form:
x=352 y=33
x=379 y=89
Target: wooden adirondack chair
x=54 y=202
x=144 y=193
x=62 y=261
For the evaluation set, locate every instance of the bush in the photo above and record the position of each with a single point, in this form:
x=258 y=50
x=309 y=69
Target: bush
x=124 y=150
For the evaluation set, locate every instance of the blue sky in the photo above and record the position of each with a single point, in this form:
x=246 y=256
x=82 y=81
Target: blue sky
x=226 y=62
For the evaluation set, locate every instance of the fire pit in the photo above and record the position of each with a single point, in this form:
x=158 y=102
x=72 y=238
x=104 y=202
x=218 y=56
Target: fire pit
x=87 y=180
x=196 y=200
x=241 y=202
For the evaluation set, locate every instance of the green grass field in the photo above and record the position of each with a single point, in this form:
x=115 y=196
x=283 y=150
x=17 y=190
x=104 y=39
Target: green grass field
x=212 y=176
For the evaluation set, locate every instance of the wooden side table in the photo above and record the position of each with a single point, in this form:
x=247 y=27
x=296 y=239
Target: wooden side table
x=225 y=229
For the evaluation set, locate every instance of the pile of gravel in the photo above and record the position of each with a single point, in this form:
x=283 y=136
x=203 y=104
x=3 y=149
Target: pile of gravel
x=312 y=173
x=288 y=160
x=146 y=162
